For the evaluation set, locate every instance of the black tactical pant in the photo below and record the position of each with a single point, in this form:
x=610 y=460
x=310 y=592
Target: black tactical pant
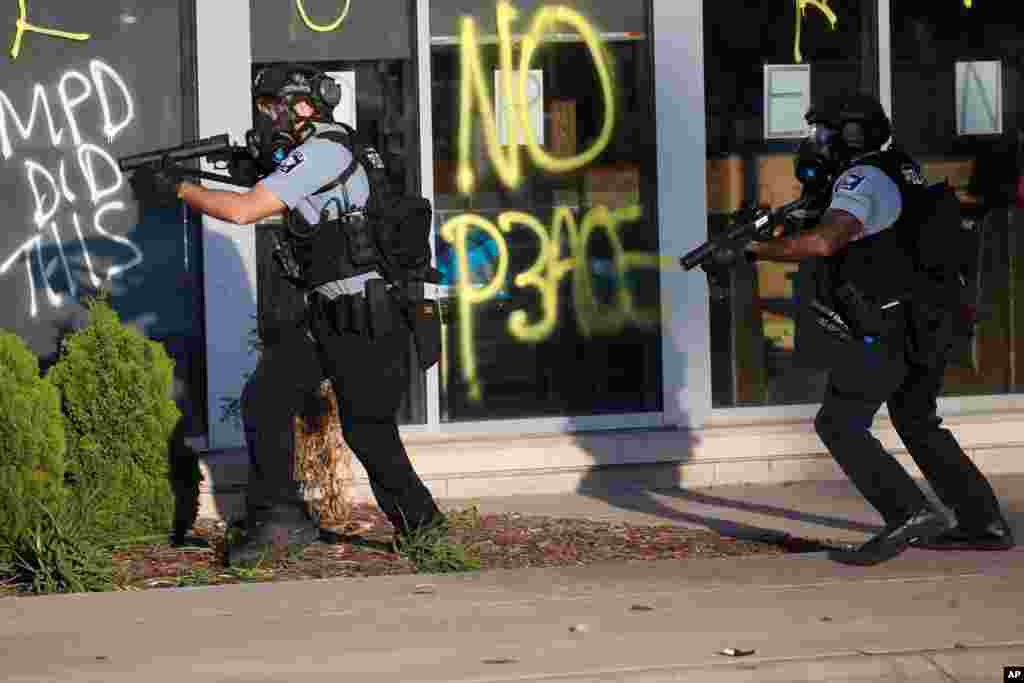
x=369 y=378
x=862 y=378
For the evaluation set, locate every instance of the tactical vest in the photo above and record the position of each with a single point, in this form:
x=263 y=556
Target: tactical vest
x=884 y=266
x=326 y=251
x=390 y=234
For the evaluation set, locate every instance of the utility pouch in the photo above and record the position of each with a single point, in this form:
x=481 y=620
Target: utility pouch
x=285 y=258
x=425 y=318
x=361 y=248
x=346 y=314
x=358 y=314
x=381 y=307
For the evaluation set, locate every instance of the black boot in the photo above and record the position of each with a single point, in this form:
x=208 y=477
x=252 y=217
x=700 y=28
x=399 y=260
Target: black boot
x=995 y=536
x=921 y=527
x=285 y=530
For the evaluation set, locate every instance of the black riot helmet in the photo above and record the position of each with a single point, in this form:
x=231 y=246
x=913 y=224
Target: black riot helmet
x=842 y=129
x=863 y=123
x=291 y=81
x=859 y=120
x=275 y=90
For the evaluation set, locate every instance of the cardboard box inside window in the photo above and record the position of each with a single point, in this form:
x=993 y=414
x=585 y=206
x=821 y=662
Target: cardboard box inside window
x=563 y=128
x=724 y=184
x=774 y=280
x=616 y=186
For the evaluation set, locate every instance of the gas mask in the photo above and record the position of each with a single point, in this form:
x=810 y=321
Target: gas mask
x=269 y=141
x=819 y=158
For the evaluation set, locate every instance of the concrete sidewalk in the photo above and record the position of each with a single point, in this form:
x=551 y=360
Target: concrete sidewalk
x=924 y=616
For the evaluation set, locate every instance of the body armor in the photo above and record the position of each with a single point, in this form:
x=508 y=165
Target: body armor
x=882 y=267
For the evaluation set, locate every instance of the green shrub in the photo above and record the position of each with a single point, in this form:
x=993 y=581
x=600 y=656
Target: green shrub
x=31 y=443
x=119 y=416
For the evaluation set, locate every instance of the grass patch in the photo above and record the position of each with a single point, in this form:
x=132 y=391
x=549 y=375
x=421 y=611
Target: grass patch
x=197 y=576
x=251 y=574
x=58 y=555
x=431 y=551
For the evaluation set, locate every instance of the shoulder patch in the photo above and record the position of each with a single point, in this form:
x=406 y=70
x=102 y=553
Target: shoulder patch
x=849 y=182
x=293 y=160
x=912 y=174
x=373 y=158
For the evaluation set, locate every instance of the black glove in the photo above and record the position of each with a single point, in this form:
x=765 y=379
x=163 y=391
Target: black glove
x=243 y=169
x=157 y=185
x=729 y=254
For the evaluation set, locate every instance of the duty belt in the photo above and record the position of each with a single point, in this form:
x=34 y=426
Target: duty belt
x=356 y=285
x=350 y=286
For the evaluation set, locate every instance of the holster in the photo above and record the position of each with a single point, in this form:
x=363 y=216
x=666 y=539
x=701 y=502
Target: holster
x=864 y=317
x=425 y=319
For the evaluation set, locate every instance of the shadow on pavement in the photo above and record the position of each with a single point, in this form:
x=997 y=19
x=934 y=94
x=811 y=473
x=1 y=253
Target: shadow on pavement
x=772 y=510
x=646 y=501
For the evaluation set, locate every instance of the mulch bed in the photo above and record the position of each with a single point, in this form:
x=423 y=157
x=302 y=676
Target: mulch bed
x=505 y=541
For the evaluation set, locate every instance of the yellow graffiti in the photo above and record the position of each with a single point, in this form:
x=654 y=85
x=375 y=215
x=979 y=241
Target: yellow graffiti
x=542 y=21
x=456 y=231
x=822 y=6
x=509 y=169
x=322 y=28
x=24 y=26
x=475 y=91
x=801 y=9
x=546 y=274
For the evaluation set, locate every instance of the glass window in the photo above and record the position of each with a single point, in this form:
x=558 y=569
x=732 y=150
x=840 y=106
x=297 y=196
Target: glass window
x=957 y=107
x=369 y=53
x=544 y=170
x=69 y=107
x=763 y=66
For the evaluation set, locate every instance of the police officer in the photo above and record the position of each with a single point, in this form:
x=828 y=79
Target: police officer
x=865 y=277
x=367 y=363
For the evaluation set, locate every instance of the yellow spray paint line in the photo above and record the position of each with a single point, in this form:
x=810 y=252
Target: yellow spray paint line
x=801 y=9
x=322 y=28
x=546 y=274
x=550 y=37
x=475 y=94
x=25 y=26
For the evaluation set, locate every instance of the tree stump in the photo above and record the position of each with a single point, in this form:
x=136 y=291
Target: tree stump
x=323 y=461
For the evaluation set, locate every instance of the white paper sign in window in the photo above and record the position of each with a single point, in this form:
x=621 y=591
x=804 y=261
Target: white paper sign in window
x=979 y=98
x=787 y=97
x=345 y=112
x=506 y=114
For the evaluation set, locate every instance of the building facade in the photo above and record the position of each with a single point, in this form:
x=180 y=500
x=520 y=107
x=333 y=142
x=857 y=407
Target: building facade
x=573 y=151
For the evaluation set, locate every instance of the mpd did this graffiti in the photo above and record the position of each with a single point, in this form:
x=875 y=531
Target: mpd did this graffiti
x=60 y=215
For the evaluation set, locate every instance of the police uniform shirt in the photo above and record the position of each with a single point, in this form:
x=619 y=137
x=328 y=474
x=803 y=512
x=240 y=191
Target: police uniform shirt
x=310 y=166
x=869 y=194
